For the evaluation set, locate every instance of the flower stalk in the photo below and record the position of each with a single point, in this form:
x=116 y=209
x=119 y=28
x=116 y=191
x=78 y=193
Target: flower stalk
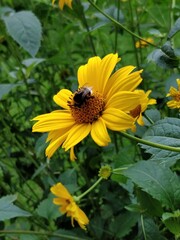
x=152 y=144
x=119 y=24
x=77 y=198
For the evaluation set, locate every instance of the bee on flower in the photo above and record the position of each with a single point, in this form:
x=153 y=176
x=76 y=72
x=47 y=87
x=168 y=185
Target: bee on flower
x=102 y=101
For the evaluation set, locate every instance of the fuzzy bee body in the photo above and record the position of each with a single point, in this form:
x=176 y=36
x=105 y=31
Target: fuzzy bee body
x=82 y=95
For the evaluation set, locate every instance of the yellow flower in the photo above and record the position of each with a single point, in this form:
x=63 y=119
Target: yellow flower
x=142 y=44
x=140 y=108
x=175 y=95
x=68 y=205
x=101 y=102
x=62 y=2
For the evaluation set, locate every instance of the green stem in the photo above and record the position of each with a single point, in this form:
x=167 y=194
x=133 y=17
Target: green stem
x=84 y=21
x=117 y=170
x=116 y=28
x=119 y=24
x=77 y=198
x=143 y=229
x=152 y=144
x=58 y=235
x=133 y=37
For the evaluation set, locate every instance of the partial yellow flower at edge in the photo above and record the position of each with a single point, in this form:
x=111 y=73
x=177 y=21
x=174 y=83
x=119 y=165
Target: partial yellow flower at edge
x=175 y=95
x=63 y=2
x=101 y=102
x=68 y=205
x=140 y=108
x=142 y=44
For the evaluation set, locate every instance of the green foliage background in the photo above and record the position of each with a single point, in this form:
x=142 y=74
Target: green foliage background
x=41 y=48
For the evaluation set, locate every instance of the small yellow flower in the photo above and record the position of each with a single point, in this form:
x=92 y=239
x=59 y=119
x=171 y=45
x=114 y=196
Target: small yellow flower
x=63 y=2
x=68 y=205
x=142 y=44
x=140 y=108
x=175 y=95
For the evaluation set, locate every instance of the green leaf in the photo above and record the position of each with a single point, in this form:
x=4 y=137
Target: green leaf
x=151 y=230
x=160 y=182
x=25 y=28
x=6 y=88
x=164 y=57
x=41 y=145
x=8 y=210
x=172 y=221
x=112 y=11
x=166 y=132
x=174 y=29
x=122 y=224
x=156 y=33
x=168 y=50
x=149 y=205
x=47 y=209
x=69 y=179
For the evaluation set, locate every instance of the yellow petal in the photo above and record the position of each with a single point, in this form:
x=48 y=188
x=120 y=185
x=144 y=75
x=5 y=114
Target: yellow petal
x=117 y=120
x=55 y=144
x=61 y=191
x=53 y=135
x=99 y=133
x=62 y=97
x=67 y=2
x=89 y=74
x=107 y=65
x=77 y=134
x=72 y=155
x=124 y=100
x=117 y=77
x=140 y=120
x=124 y=82
x=81 y=218
x=53 y=121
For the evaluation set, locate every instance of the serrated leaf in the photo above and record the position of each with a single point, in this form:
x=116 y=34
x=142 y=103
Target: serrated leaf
x=47 y=209
x=168 y=50
x=122 y=224
x=174 y=29
x=6 y=88
x=166 y=132
x=172 y=221
x=151 y=230
x=162 y=59
x=148 y=204
x=160 y=182
x=8 y=210
x=25 y=28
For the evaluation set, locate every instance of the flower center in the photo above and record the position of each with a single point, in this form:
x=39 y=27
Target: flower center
x=177 y=97
x=86 y=106
x=136 y=111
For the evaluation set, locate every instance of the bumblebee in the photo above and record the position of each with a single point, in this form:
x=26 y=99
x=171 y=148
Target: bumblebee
x=82 y=95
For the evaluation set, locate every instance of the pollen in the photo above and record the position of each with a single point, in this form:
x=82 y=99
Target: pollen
x=90 y=109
